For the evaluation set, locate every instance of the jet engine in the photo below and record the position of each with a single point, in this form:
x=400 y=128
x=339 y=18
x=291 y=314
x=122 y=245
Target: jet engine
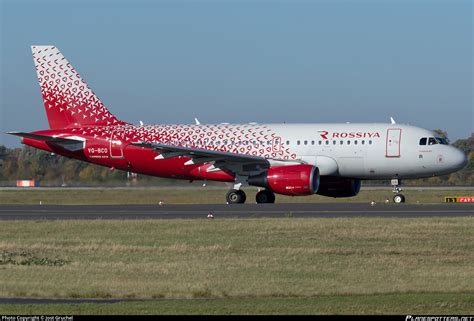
x=294 y=180
x=338 y=187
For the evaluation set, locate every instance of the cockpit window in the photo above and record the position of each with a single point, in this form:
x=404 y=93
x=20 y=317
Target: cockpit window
x=442 y=141
x=434 y=141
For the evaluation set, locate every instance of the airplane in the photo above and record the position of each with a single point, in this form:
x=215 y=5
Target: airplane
x=287 y=159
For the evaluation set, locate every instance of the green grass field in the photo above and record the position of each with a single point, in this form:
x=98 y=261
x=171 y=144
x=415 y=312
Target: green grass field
x=199 y=195
x=357 y=265
x=339 y=304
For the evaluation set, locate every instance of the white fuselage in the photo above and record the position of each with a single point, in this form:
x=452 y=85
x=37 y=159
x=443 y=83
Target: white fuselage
x=369 y=151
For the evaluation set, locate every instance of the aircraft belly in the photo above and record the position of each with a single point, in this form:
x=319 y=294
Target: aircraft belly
x=351 y=166
x=326 y=165
x=402 y=167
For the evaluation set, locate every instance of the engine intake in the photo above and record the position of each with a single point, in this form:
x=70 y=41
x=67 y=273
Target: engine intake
x=294 y=180
x=338 y=187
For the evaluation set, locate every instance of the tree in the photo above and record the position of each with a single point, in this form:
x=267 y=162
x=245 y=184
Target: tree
x=441 y=133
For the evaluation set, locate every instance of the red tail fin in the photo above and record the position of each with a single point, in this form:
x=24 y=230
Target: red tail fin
x=68 y=101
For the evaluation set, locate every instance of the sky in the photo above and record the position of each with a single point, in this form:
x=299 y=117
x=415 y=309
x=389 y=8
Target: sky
x=248 y=61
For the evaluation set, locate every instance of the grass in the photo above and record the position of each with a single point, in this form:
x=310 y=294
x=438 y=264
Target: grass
x=357 y=265
x=341 y=304
x=200 y=195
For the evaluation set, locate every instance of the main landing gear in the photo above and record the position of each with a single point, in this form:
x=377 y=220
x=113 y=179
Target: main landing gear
x=265 y=196
x=237 y=196
x=398 y=198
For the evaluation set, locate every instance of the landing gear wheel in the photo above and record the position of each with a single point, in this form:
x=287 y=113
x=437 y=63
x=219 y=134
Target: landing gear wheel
x=265 y=197
x=235 y=196
x=399 y=198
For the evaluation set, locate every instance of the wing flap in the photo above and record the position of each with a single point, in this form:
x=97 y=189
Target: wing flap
x=199 y=155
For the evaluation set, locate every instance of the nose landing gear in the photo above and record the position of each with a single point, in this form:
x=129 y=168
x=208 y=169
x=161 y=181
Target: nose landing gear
x=398 y=198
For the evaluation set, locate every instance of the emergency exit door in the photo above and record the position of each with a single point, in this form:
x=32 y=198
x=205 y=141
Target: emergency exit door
x=394 y=136
x=116 y=146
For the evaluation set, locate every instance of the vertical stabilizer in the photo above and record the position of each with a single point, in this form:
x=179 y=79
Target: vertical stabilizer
x=68 y=101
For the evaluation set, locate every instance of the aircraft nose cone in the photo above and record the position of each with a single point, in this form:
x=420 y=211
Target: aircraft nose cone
x=459 y=159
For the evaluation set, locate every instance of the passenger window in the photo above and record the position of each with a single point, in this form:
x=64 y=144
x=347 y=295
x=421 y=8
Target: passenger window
x=327 y=142
x=423 y=141
x=320 y=142
x=306 y=142
x=370 y=142
x=288 y=142
x=334 y=142
x=432 y=141
x=348 y=142
x=298 y=142
x=312 y=142
x=355 y=142
x=341 y=142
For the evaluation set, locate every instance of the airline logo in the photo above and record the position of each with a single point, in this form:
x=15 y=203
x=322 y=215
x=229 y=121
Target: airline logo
x=329 y=135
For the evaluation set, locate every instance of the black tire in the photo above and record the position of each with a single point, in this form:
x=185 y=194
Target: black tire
x=235 y=196
x=243 y=196
x=265 y=197
x=398 y=199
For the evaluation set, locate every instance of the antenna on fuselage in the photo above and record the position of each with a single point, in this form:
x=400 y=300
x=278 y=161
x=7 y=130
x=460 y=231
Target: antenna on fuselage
x=392 y=120
x=197 y=121
x=141 y=123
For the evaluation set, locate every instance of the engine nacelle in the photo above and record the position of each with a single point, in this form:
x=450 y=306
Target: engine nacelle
x=294 y=180
x=338 y=187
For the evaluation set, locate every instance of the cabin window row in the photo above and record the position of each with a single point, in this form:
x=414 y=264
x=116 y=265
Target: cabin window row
x=224 y=142
x=333 y=142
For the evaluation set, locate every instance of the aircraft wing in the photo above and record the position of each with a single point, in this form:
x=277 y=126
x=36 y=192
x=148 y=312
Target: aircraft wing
x=223 y=160
x=67 y=143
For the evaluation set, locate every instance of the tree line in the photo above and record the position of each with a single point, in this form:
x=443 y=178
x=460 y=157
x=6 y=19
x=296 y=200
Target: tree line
x=54 y=170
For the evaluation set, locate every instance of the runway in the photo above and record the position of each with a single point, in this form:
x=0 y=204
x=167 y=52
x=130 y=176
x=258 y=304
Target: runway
x=223 y=211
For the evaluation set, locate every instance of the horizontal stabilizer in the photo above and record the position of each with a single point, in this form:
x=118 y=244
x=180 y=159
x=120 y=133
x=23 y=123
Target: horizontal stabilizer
x=70 y=144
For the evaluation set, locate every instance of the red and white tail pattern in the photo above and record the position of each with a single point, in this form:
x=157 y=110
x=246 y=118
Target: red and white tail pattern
x=68 y=101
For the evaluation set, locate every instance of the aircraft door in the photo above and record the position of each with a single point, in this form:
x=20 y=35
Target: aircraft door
x=394 y=136
x=276 y=144
x=116 y=146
